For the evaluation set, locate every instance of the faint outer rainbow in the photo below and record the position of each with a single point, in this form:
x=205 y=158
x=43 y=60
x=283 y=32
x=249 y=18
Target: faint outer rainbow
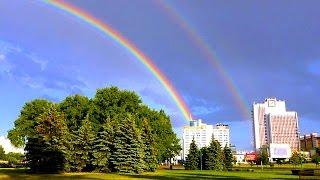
x=116 y=36
x=207 y=52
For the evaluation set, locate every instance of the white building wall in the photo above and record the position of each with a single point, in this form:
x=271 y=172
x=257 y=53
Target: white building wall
x=202 y=134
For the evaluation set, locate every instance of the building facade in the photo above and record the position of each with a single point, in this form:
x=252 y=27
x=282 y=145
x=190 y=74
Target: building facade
x=309 y=141
x=202 y=134
x=272 y=123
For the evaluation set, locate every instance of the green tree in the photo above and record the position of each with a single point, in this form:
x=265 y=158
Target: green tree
x=14 y=158
x=2 y=153
x=204 y=156
x=150 y=158
x=228 y=157
x=263 y=156
x=316 y=160
x=24 y=126
x=297 y=158
x=166 y=142
x=192 y=160
x=102 y=144
x=110 y=102
x=214 y=160
x=75 y=108
x=82 y=147
x=127 y=151
x=48 y=149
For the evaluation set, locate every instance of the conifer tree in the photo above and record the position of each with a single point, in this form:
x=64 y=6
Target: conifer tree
x=150 y=158
x=228 y=158
x=102 y=147
x=214 y=159
x=82 y=144
x=204 y=156
x=127 y=151
x=192 y=160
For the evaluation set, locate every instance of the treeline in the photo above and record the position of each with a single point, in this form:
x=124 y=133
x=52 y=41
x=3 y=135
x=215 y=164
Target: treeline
x=10 y=159
x=112 y=132
x=212 y=157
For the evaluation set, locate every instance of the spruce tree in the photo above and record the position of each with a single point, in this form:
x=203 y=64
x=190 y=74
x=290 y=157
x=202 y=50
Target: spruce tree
x=150 y=158
x=192 y=160
x=82 y=144
x=214 y=159
x=228 y=158
x=127 y=151
x=102 y=147
x=204 y=156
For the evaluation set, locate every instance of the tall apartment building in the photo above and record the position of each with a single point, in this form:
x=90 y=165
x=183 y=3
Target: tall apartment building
x=272 y=123
x=202 y=134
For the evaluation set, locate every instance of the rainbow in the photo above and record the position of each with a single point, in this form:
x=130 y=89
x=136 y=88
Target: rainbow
x=116 y=36
x=208 y=53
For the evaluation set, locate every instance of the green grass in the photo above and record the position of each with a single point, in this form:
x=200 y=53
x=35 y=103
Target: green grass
x=160 y=174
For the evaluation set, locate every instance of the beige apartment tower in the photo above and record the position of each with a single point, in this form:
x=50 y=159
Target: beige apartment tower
x=273 y=124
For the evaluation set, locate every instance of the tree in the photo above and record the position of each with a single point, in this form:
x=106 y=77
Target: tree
x=110 y=102
x=48 y=149
x=102 y=145
x=82 y=147
x=192 y=160
x=14 y=158
x=214 y=159
x=297 y=158
x=150 y=158
x=2 y=153
x=228 y=158
x=127 y=154
x=24 y=126
x=75 y=108
x=203 y=156
x=316 y=160
x=263 y=156
x=166 y=142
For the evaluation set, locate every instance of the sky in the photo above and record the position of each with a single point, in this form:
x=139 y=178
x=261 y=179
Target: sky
x=264 y=49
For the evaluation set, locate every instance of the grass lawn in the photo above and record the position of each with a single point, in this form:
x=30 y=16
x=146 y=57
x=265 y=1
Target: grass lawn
x=160 y=174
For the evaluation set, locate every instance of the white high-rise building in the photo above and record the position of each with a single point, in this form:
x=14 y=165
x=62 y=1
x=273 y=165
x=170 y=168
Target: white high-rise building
x=273 y=124
x=221 y=133
x=202 y=134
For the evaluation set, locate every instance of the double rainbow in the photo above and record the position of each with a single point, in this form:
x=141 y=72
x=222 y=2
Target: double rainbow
x=116 y=36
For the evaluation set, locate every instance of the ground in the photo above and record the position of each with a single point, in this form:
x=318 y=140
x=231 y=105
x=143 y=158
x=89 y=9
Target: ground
x=282 y=172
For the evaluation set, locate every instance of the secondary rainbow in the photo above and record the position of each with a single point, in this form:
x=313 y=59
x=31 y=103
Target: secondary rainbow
x=116 y=36
x=207 y=52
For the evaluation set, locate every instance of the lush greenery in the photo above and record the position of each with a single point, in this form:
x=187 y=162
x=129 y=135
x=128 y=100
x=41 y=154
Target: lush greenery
x=112 y=132
x=160 y=174
x=212 y=157
x=11 y=157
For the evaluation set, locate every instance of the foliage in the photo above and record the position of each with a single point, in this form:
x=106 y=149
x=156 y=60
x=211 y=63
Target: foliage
x=297 y=158
x=75 y=109
x=316 y=159
x=214 y=160
x=110 y=102
x=192 y=160
x=82 y=147
x=46 y=151
x=14 y=158
x=127 y=154
x=263 y=156
x=24 y=126
x=204 y=156
x=113 y=131
x=228 y=158
x=102 y=145
x=147 y=137
x=2 y=153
